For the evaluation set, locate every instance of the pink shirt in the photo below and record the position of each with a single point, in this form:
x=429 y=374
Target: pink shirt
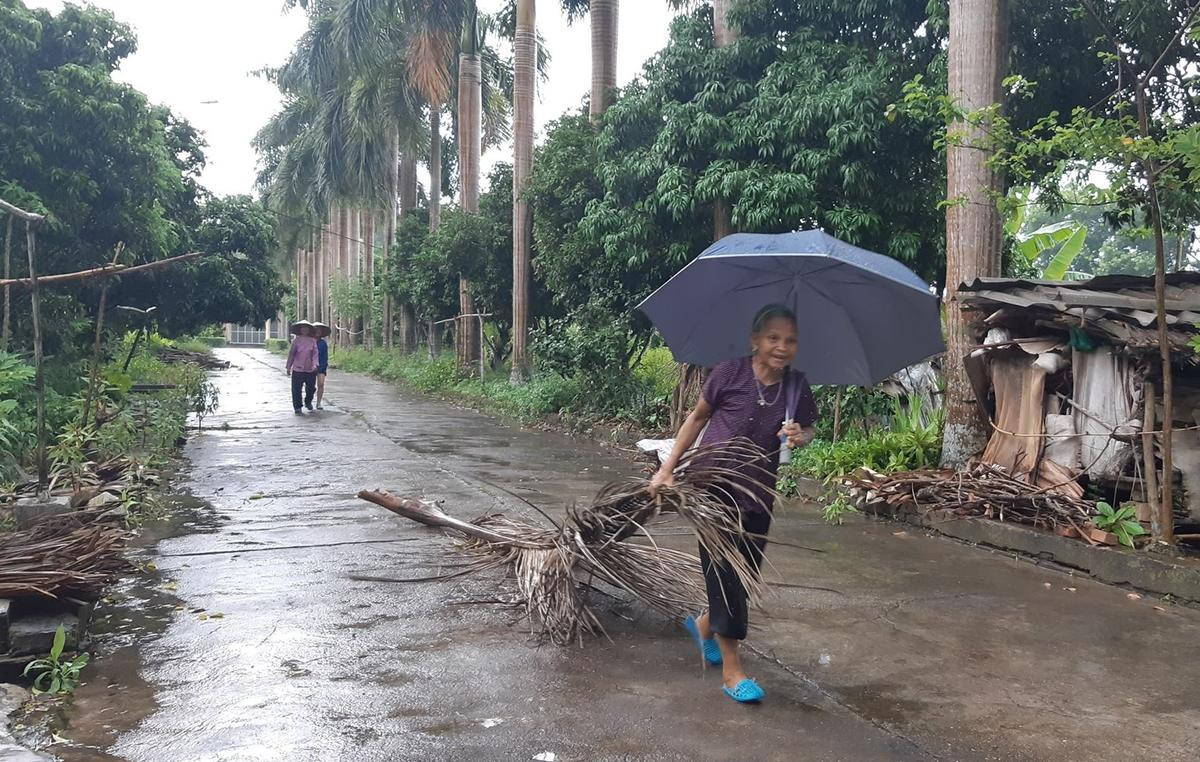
x=302 y=357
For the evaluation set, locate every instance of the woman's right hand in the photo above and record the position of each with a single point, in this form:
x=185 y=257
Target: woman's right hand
x=661 y=478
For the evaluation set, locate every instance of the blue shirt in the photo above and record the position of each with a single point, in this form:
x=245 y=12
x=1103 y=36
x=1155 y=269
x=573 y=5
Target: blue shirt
x=322 y=356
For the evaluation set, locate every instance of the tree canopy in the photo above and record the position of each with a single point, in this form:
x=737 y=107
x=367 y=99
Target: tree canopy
x=109 y=167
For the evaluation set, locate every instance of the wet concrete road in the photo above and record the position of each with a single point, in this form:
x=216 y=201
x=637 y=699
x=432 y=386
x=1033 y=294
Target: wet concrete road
x=251 y=639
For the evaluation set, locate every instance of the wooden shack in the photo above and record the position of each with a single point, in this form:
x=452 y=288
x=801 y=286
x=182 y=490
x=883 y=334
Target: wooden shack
x=1069 y=375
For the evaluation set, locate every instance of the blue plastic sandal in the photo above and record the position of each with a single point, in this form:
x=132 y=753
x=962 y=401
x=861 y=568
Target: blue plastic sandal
x=745 y=692
x=708 y=646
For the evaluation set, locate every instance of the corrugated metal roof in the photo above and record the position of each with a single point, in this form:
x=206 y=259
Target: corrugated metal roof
x=1121 y=307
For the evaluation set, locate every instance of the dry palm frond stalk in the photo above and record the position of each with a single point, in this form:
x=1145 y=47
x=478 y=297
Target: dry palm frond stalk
x=611 y=540
x=72 y=555
x=982 y=490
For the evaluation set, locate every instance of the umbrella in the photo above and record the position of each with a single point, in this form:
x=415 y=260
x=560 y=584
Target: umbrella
x=861 y=316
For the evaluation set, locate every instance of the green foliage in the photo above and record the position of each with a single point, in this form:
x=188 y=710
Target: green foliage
x=1121 y=521
x=911 y=440
x=235 y=283
x=54 y=674
x=16 y=422
x=109 y=167
x=546 y=394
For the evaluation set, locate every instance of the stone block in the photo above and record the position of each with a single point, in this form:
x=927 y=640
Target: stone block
x=5 y=616
x=35 y=634
x=28 y=512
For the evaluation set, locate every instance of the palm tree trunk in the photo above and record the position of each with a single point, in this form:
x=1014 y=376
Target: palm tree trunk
x=524 y=82
x=389 y=236
x=978 y=54
x=435 y=167
x=604 y=55
x=299 y=282
x=408 y=202
x=368 y=278
x=470 y=134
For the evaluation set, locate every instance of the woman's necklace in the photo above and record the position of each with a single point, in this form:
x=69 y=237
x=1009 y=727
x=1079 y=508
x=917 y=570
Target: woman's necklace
x=758 y=387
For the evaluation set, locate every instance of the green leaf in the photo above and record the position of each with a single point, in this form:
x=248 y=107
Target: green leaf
x=1016 y=220
x=1061 y=263
x=1031 y=245
x=60 y=641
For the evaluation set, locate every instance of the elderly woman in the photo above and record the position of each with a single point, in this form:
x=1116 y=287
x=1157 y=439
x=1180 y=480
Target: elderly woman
x=747 y=399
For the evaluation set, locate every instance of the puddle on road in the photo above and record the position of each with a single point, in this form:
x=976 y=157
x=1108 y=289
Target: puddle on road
x=113 y=698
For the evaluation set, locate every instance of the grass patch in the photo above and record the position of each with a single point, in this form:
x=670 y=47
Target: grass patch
x=542 y=396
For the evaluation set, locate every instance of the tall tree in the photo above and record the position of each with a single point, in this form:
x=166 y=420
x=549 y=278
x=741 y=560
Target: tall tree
x=470 y=146
x=978 y=57
x=603 y=18
x=524 y=82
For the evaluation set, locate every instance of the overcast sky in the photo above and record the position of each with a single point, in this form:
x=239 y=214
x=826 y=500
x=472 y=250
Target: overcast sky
x=197 y=57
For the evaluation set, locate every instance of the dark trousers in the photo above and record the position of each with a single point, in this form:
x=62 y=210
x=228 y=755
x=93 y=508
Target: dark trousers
x=309 y=382
x=728 y=612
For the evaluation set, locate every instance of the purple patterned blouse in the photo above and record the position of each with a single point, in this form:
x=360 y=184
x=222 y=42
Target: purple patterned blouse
x=732 y=391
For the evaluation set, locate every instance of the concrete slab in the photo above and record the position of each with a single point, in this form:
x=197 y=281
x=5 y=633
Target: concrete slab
x=28 y=512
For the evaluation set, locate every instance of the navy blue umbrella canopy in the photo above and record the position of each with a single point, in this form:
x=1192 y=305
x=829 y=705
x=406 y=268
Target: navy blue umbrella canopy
x=862 y=316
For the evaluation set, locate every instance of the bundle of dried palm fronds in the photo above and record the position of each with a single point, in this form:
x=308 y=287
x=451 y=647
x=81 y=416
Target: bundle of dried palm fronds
x=982 y=490
x=75 y=555
x=611 y=540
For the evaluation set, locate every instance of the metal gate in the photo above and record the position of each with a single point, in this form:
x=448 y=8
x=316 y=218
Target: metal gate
x=248 y=334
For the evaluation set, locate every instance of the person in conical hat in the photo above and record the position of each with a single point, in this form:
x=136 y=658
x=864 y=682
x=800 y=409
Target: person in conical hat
x=302 y=365
x=320 y=330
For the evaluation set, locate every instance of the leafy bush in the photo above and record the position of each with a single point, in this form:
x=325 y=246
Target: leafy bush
x=16 y=421
x=279 y=346
x=1120 y=521
x=54 y=674
x=544 y=395
x=659 y=370
x=906 y=444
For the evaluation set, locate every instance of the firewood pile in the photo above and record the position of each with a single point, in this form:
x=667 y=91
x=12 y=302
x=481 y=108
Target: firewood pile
x=983 y=490
x=611 y=540
x=203 y=359
x=73 y=555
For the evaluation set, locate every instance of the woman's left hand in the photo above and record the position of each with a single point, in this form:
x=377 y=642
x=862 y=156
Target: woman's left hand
x=797 y=436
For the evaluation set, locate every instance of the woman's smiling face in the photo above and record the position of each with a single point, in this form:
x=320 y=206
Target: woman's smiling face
x=775 y=344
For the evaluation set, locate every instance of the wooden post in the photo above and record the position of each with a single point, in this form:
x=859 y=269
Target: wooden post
x=6 y=331
x=39 y=378
x=837 y=415
x=1150 y=466
x=91 y=390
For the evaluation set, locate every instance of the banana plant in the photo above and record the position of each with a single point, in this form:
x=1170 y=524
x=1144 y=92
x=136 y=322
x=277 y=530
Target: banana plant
x=1065 y=239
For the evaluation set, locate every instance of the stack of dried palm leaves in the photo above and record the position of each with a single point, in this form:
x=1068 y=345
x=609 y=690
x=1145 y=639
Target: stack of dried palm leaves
x=983 y=490
x=73 y=555
x=203 y=359
x=611 y=540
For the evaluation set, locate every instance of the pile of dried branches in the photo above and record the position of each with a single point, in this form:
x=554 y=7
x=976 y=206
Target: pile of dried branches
x=611 y=540
x=983 y=490
x=203 y=359
x=73 y=555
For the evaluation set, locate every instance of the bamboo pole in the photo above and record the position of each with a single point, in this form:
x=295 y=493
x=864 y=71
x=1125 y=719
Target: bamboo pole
x=99 y=272
x=1160 y=288
x=92 y=378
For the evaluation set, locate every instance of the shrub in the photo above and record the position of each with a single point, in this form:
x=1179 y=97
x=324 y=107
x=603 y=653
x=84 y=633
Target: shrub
x=906 y=444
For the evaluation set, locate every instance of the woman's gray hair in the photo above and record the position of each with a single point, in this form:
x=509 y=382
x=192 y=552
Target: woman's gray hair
x=769 y=313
